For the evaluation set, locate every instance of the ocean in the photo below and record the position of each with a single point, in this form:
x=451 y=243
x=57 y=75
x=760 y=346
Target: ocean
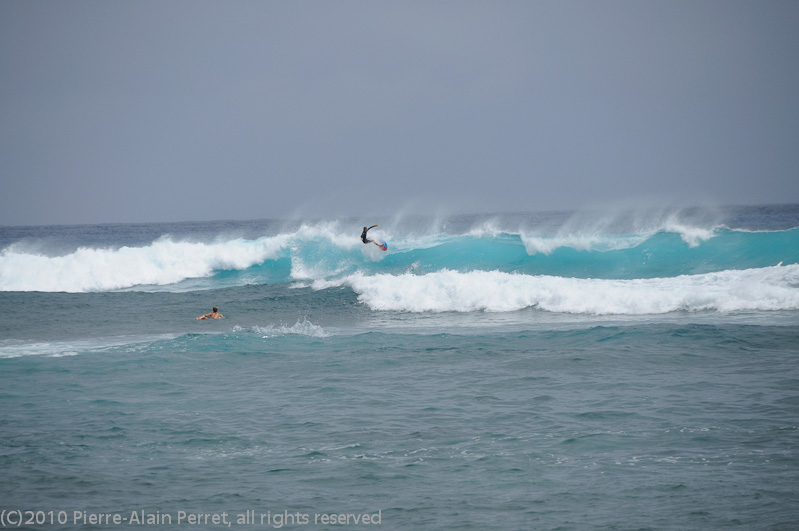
x=633 y=369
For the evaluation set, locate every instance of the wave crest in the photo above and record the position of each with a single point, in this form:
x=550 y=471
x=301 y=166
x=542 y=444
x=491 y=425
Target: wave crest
x=770 y=288
x=328 y=250
x=161 y=263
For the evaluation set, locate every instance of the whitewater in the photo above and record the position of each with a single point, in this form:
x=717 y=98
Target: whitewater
x=486 y=266
x=621 y=369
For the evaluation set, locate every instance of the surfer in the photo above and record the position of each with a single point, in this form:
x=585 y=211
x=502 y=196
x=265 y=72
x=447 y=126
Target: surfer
x=364 y=239
x=213 y=315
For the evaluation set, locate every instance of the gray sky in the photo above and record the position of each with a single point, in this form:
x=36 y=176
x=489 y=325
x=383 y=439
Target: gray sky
x=132 y=111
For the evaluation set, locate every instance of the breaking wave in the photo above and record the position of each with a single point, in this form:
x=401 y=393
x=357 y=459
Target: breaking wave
x=330 y=251
x=770 y=288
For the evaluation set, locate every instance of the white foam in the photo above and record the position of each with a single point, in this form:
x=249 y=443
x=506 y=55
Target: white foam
x=162 y=262
x=770 y=288
x=488 y=228
x=14 y=348
x=690 y=234
x=302 y=328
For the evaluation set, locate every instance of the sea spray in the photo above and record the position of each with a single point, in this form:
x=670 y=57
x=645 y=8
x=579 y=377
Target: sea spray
x=623 y=249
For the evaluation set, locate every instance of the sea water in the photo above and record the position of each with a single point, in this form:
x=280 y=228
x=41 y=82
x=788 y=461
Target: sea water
x=588 y=370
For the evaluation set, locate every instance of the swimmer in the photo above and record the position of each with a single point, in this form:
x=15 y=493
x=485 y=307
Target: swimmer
x=213 y=315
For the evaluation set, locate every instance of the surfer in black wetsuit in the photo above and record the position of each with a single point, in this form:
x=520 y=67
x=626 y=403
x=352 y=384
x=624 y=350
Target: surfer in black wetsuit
x=364 y=239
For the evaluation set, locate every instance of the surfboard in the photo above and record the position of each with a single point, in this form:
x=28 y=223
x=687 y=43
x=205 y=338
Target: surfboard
x=384 y=247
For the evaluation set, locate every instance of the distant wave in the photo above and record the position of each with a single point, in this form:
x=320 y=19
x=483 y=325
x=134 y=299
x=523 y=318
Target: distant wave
x=325 y=251
x=12 y=348
x=769 y=288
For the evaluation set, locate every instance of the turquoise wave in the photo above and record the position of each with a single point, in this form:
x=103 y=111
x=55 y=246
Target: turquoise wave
x=325 y=251
x=663 y=254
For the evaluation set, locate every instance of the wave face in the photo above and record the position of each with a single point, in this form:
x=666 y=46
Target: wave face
x=556 y=262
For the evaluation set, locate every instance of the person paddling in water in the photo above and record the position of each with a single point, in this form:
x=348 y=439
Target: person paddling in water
x=364 y=239
x=213 y=315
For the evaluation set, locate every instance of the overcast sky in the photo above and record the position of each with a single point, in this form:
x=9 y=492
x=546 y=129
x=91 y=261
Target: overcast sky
x=133 y=111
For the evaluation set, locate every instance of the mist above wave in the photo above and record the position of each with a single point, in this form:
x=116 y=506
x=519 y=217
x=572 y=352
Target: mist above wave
x=606 y=245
